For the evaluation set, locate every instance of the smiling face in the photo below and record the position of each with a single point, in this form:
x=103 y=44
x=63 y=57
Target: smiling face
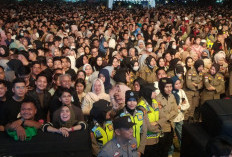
x=28 y=110
x=65 y=114
x=132 y=104
x=41 y=83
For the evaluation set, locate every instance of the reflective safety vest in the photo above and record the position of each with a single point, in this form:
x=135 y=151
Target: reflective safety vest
x=103 y=135
x=152 y=113
x=138 y=120
x=209 y=43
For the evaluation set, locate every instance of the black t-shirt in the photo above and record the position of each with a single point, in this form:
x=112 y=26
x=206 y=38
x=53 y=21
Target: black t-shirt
x=2 y=109
x=217 y=46
x=11 y=111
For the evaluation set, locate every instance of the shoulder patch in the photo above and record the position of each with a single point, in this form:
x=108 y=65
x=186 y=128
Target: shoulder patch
x=94 y=128
x=140 y=117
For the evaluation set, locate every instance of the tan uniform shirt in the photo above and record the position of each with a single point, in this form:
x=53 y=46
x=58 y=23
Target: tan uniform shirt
x=148 y=74
x=168 y=111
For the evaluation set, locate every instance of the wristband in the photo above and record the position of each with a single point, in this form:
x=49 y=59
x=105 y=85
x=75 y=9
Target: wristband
x=72 y=129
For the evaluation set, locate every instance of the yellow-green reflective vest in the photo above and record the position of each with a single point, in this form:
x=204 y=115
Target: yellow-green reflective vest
x=103 y=135
x=138 y=120
x=209 y=43
x=152 y=113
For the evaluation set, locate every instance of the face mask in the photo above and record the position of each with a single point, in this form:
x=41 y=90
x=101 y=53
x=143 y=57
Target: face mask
x=60 y=45
x=72 y=47
x=179 y=76
x=67 y=30
x=136 y=68
x=149 y=49
x=174 y=46
x=21 y=34
x=132 y=39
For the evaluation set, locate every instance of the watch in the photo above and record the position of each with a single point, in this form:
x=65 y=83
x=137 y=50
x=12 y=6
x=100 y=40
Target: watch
x=23 y=120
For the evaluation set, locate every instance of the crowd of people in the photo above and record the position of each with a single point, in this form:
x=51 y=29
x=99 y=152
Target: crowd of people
x=67 y=67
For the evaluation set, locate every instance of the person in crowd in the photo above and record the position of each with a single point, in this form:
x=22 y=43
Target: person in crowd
x=213 y=83
x=137 y=117
x=80 y=88
x=194 y=83
x=98 y=92
x=182 y=104
x=149 y=105
x=67 y=118
x=25 y=126
x=123 y=139
x=105 y=77
x=41 y=96
x=102 y=130
x=3 y=99
x=168 y=111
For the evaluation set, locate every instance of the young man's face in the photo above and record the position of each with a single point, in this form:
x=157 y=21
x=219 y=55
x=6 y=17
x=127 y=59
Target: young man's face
x=3 y=90
x=36 y=69
x=41 y=83
x=126 y=133
x=19 y=89
x=28 y=111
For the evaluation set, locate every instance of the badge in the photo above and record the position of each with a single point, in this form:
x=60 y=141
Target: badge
x=189 y=76
x=110 y=127
x=98 y=133
x=194 y=74
x=206 y=79
x=116 y=154
x=140 y=117
x=131 y=94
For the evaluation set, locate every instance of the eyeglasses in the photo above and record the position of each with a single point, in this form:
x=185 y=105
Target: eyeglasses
x=20 y=87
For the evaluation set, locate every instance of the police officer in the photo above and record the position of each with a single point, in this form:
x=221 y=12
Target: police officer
x=137 y=117
x=150 y=107
x=214 y=84
x=194 y=83
x=123 y=144
x=102 y=130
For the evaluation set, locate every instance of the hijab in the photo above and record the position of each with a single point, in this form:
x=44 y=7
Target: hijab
x=107 y=84
x=71 y=121
x=175 y=91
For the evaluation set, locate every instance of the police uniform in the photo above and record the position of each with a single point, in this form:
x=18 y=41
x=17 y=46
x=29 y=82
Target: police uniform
x=114 y=149
x=217 y=82
x=152 y=113
x=148 y=74
x=192 y=92
x=100 y=136
x=140 y=128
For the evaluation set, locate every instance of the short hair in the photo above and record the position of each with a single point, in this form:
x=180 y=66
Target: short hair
x=3 y=82
x=41 y=75
x=56 y=59
x=29 y=100
x=64 y=75
x=24 y=70
x=62 y=90
x=18 y=80
x=161 y=68
x=34 y=62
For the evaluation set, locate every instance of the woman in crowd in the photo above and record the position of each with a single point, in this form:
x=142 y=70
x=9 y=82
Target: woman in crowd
x=98 y=92
x=168 y=111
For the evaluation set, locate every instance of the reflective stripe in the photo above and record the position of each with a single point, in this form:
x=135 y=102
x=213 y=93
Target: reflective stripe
x=153 y=115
